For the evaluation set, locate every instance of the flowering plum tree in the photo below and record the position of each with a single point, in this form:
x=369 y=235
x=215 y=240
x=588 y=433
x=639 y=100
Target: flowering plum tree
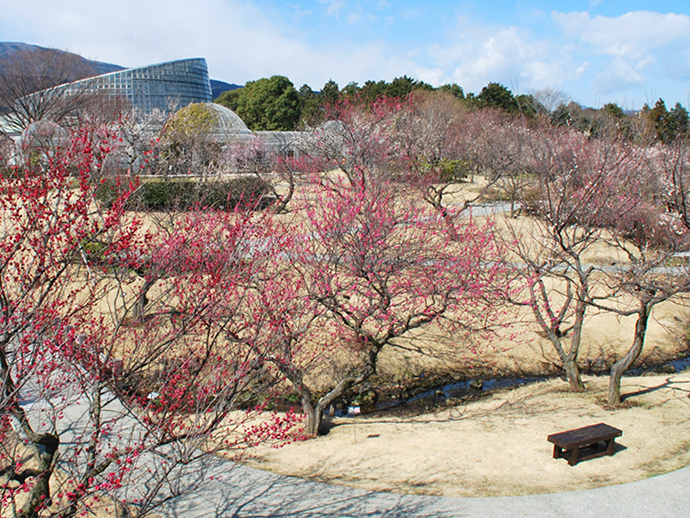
x=648 y=281
x=428 y=131
x=669 y=166
x=90 y=404
x=575 y=193
x=277 y=165
x=378 y=267
x=497 y=145
x=644 y=214
x=359 y=141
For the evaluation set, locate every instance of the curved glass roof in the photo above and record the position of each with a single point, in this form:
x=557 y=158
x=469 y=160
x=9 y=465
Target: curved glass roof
x=165 y=86
x=227 y=121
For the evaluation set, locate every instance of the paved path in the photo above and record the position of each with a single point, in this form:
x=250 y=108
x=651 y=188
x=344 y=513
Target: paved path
x=219 y=488
x=247 y=492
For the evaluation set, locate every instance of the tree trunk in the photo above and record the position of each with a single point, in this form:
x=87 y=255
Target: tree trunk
x=314 y=417
x=447 y=218
x=569 y=358
x=572 y=373
x=314 y=412
x=570 y=362
x=283 y=200
x=46 y=448
x=139 y=310
x=513 y=214
x=619 y=368
x=313 y=409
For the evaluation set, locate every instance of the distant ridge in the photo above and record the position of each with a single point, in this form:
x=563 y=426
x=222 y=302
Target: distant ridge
x=100 y=67
x=218 y=87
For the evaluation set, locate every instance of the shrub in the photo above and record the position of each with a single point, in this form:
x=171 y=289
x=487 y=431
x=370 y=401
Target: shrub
x=186 y=194
x=94 y=251
x=454 y=170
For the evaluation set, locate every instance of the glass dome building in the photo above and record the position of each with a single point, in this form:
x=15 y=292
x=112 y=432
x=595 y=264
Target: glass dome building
x=226 y=123
x=166 y=86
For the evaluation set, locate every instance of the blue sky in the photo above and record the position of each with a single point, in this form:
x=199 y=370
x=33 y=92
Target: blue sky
x=594 y=51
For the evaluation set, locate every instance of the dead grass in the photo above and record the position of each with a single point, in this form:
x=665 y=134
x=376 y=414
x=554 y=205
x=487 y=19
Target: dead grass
x=497 y=446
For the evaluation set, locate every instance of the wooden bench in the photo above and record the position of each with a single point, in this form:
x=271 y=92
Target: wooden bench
x=568 y=445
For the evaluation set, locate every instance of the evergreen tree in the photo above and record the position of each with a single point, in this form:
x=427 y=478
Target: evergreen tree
x=230 y=98
x=270 y=104
x=311 y=113
x=330 y=93
x=454 y=89
x=495 y=95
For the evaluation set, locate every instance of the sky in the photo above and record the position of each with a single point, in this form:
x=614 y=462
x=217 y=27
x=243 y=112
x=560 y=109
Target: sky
x=595 y=51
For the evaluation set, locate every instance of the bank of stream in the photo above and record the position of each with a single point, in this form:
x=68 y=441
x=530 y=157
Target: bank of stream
x=426 y=393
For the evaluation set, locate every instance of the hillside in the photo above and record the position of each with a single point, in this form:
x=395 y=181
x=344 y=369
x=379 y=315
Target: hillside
x=100 y=67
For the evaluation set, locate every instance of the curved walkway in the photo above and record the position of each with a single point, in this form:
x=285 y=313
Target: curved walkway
x=222 y=488
x=239 y=491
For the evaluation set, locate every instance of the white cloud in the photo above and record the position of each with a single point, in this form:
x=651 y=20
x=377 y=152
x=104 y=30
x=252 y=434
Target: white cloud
x=433 y=76
x=139 y=32
x=244 y=40
x=635 y=48
x=504 y=54
x=299 y=12
x=359 y=15
x=354 y=17
x=582 y=69
x=632 y=35
x=544 y=74
x=618 y=76
x=333 y=7
x=238 y=40
x=411 y=14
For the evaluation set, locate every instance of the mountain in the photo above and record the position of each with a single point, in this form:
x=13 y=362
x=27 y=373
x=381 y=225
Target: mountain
x=218 y=87
x=99 y=67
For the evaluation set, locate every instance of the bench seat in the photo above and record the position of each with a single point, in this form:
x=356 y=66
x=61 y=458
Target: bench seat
x=572 y=443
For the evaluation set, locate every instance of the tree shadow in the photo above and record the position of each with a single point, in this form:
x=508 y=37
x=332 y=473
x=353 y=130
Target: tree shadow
x=668 y=383
x=247 y=492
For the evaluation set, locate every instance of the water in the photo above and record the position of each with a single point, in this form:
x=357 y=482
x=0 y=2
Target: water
x=459 y=389
x=679 y=364
x=466 y=388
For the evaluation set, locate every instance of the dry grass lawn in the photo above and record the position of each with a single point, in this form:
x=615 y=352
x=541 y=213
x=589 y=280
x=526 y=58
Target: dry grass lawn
x=497 y=446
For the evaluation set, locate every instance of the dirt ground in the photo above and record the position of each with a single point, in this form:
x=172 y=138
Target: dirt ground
x=497 y=446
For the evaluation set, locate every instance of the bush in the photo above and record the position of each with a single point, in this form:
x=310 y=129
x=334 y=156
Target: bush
x=107 y=191
x=94 y=251
x=454 y=170
x=185 y=194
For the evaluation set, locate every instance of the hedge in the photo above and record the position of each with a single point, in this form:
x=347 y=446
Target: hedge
x=159 y=195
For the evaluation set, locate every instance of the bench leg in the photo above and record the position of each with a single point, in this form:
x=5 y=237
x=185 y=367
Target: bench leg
x=574 y=456
x=610 y=447
x=557 y=450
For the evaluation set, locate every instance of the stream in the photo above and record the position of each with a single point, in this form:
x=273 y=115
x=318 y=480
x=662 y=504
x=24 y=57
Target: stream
x=472 y=388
